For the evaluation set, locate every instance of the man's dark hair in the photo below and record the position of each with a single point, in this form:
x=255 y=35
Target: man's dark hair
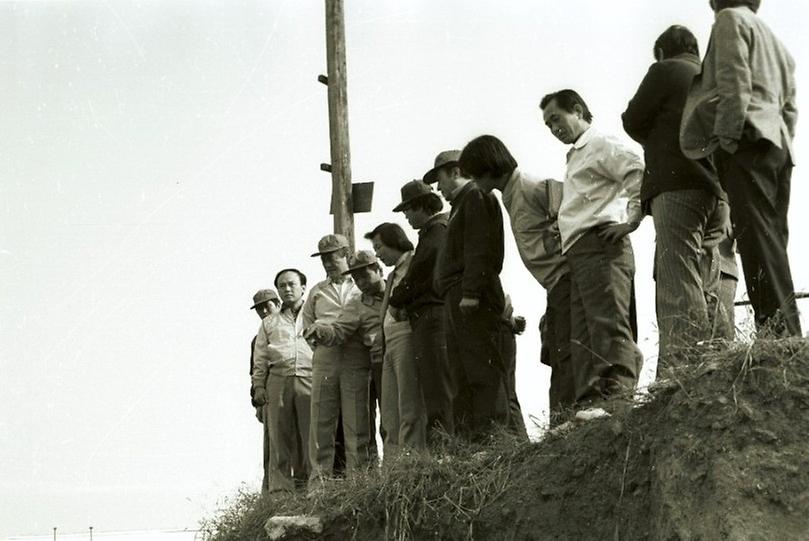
x=301 y=275
x=675 y=40
x=752 y=4
x=391 y=236
x=566 y=99
x=486 y=155
x=430 y=203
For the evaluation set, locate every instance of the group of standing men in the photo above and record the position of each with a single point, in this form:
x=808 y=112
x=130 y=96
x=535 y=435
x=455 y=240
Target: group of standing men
x=435 y=341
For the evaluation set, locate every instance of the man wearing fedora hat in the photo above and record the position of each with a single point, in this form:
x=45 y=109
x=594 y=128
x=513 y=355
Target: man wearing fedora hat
x=265 y=303
x=357 y=334
x=282 y=381
x=468 y=278
x=416 y=295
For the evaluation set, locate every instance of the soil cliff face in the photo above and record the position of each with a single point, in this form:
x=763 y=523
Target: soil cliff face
x=719 y=451
x=722 y=452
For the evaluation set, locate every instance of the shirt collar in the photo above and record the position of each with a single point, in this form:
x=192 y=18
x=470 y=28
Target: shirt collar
x=511 y=185
x=402 y=259
x=346 y=280
x=585 y=138
x=459 y=191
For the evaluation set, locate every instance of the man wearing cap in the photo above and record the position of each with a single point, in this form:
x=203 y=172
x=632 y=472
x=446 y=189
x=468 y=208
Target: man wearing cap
x=357 y=332
x=282 y=380
x=325 y=303
x=416 y=295
x=533 y=207
x=402 y=404
x=600 y=207
x=468 y=278
x=265 y=303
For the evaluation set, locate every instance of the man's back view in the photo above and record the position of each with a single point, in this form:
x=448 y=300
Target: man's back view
x=742 y=109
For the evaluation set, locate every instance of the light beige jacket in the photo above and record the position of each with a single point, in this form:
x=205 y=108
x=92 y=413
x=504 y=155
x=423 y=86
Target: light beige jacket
x=747 y=76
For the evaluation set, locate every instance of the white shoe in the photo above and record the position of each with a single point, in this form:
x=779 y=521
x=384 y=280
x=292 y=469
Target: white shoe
x=591 y=413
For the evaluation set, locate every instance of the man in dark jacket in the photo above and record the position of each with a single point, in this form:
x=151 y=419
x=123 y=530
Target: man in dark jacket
x=425 y=308
x=681 y=194
x=468 y=278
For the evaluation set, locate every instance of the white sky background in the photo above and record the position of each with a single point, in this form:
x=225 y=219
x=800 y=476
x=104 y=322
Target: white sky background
x=159 y=162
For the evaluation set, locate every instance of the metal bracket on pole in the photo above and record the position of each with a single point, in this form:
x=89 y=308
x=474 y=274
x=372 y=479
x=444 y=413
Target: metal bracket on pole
x=323 y=79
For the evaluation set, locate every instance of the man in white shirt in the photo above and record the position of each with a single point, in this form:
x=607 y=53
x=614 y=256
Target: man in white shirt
x=533 y=206
x=600 y=207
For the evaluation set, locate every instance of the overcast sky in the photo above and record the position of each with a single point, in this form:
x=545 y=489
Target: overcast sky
x=159 y=162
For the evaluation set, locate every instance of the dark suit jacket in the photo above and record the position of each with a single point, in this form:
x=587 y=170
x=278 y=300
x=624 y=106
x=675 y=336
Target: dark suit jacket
x=652 y=118
x=473 y=253
x=747 y=84
x=416 y=290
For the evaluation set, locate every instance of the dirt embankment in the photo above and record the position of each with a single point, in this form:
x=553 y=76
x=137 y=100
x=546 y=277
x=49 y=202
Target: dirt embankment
x=720 y=452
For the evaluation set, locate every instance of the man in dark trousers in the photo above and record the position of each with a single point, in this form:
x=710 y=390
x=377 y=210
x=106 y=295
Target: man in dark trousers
x=533 y=208
x=425 y=308
x=741 y=109
x=265 y=303
x=468 y=278
x=600 y=207
x=681 y=194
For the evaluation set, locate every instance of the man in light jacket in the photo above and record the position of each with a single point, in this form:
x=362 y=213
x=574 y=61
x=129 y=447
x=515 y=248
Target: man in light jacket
x=741 y=109
x=282 y=379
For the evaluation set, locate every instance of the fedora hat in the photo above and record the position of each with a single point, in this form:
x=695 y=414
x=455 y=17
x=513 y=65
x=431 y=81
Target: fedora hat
x=411 y=191
x=447 y=157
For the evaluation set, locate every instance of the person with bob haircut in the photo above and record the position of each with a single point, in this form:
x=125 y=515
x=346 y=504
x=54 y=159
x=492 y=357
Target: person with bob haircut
x=402 y=404
x=532 y=205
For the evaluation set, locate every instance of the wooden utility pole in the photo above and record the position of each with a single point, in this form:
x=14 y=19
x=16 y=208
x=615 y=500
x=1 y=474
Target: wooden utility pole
x=338 y=121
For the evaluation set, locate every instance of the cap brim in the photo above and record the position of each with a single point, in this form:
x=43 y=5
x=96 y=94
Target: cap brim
x=403 y=205
x=431 y=176
x=352 y=269
x=262 y=302
x=318 y=254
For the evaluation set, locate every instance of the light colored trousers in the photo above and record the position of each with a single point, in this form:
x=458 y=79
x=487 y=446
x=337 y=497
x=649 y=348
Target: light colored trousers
x=681 y=220
x=340 y=385
x=403 y=413
x=288 y=426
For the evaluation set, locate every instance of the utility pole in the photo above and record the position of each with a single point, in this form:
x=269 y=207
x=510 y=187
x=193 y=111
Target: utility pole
x=338 y=121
